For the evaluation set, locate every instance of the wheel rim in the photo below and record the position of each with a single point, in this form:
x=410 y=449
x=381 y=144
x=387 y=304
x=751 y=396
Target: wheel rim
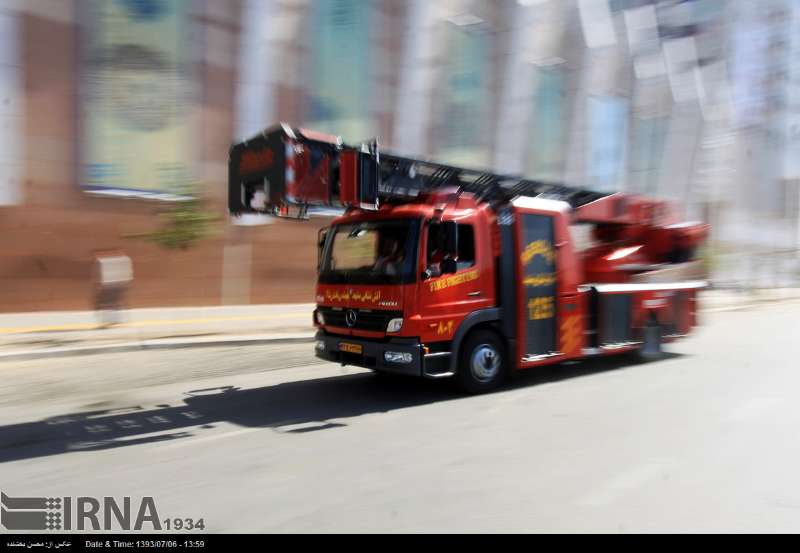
x=485 y=363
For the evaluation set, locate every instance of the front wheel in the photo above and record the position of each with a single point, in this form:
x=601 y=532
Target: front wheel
x=483 y=364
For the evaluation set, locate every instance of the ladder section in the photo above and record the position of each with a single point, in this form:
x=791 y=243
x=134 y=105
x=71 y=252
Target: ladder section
x=283 y=171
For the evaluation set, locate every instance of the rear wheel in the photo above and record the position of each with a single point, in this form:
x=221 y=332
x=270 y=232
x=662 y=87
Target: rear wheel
x=650 y=350
x=483 y=364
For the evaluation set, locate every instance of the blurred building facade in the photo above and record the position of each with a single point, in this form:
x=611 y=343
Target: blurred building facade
x=110 y=109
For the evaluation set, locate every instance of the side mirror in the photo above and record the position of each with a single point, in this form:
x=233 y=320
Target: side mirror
x=449 y=266
x=322 y=235
x=450 y=238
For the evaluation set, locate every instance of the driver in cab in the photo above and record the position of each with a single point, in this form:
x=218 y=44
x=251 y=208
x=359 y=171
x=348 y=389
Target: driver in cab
x=390 y=257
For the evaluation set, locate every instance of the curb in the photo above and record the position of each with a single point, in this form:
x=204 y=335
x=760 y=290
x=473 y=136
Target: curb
x=149 y=345
x=177 y=343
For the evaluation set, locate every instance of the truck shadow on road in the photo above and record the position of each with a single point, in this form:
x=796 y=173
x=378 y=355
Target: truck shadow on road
x=291 y=407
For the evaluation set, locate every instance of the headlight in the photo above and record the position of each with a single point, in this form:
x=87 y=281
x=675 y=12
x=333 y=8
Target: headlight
x=394 y=325
x=320 y=317
x=397 y=357
x=320 y=345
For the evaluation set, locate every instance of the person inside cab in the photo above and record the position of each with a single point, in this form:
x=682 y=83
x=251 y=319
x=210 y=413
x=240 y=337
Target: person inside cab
x=390 y=257
x=435 y=251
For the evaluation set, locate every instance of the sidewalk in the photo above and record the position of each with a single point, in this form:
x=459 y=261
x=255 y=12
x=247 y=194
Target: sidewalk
x=729 y=300
x=32 y=335
x=45 y=334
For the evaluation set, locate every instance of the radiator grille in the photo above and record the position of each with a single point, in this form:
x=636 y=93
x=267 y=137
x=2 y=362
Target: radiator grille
x=374 y=321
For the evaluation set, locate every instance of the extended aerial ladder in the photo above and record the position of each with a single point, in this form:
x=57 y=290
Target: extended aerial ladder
x=288 y=172
x=323 y=171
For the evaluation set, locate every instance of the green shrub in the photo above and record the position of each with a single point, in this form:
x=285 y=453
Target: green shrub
x=183 y=223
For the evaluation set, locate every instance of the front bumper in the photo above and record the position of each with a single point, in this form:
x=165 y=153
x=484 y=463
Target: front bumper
x=372 y=353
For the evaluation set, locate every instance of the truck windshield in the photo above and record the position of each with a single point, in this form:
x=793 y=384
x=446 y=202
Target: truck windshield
x=371 y=252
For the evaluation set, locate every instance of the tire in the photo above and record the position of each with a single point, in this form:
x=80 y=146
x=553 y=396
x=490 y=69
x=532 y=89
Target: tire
x=482 y=362
x=651 y=349
x=385 y=375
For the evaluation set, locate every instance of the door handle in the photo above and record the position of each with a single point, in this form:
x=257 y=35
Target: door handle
x=473 y=293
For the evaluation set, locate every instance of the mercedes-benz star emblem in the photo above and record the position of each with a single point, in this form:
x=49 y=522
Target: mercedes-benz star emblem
x=350 y=317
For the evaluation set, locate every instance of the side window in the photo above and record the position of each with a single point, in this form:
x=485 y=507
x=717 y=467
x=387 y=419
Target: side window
x=466 y=246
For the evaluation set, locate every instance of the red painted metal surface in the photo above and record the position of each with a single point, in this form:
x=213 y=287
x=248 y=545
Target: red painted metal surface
x=348 y=178
x=444 y=301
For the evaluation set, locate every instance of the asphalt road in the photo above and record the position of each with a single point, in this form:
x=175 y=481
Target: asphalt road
x=263 y=439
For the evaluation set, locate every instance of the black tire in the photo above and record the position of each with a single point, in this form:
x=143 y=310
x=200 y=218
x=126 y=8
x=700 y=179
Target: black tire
x=482 y=362
x=385 y=375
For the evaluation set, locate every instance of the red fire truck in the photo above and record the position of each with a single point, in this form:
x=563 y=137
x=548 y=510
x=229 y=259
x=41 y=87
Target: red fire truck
x=439 y=271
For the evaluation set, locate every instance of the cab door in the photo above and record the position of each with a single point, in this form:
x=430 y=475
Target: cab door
x=445 y=299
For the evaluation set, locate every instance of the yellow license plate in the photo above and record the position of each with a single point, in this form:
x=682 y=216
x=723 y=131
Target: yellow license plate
x=350 y=348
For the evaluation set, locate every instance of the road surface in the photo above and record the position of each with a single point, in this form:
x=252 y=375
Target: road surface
x=265 y=439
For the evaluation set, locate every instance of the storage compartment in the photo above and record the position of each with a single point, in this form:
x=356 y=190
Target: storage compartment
x=615 y=318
